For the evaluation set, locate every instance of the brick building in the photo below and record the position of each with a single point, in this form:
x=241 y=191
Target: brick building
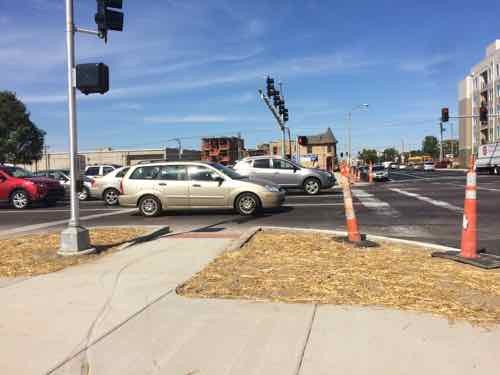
x=320 y=152
x=224 y=150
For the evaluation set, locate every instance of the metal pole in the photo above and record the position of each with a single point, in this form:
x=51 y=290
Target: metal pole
x=441 y=143
x=349 y=138
x=70 y=42
x=74 y=239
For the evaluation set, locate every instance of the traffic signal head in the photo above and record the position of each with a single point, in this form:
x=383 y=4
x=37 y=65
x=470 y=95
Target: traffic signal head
x=483 y=114
x=92 y=78
x=302 y=140
x=281 y=108
x=276 y=99
x=445 y=114
x=270 y=86
x=108 y=19
x=285 y=115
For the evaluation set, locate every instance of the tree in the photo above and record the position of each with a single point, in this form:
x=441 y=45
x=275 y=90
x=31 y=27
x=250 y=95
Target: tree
x=368 y=156
x=390 y=154
x=430 y=146
x=20 y=140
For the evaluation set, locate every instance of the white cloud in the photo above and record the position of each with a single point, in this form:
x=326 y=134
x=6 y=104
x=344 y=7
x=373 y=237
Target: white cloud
x=127 y=106
x=425 y=65
x=44 y=99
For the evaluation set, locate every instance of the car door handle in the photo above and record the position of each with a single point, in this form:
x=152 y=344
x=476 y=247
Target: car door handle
x=162 y=184
x=197 y=185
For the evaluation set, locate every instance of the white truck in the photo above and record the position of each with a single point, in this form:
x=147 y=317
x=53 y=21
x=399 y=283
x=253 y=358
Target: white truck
x=488 y=158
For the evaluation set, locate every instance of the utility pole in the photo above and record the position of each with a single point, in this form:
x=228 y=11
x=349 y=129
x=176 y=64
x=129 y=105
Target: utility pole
x=441 y=130
x=46 y=153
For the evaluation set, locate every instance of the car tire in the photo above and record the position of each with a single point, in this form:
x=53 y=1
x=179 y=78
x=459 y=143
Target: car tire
x=150 y=206
x=19 y=199
x=84 y=194
x=312 y=186
x=247 y=204
x=110 y=197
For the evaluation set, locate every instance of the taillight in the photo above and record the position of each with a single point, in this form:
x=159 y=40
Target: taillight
x=121 y=187
x=93 y=182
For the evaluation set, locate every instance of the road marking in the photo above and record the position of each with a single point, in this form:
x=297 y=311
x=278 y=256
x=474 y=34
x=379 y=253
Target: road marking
x=434 y=202
x=369 y=201
x=316 y=196
x=312 y=204
x=35 y=211
x=29 y=228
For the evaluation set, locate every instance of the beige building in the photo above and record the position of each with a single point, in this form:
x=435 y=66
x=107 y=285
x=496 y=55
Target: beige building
x=320 y=152
x=60 y=160
x=481 y=86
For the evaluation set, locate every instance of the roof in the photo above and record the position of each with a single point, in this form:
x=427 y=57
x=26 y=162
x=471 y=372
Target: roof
x=321 y=139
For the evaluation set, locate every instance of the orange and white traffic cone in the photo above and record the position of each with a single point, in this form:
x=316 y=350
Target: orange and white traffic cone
x=358 y=176
x=468 y=247
x=352 y=224
x=370 y=172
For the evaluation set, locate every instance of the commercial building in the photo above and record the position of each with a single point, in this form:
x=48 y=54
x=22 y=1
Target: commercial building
x=60 y=160
x=480 y=87
x=224 y=150
x=320 y=151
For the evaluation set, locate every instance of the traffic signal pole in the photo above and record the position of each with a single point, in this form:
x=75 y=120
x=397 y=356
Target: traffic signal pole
x=279 y=120
x=74 y=239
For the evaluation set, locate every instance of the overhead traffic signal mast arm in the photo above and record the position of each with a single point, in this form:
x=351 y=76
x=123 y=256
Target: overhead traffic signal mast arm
x=277 y=116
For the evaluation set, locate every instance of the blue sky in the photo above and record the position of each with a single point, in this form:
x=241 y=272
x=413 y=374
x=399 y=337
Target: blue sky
x=185 y=68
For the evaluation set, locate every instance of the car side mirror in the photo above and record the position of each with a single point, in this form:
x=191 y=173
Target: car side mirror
x=295 y=169
x=219 y=179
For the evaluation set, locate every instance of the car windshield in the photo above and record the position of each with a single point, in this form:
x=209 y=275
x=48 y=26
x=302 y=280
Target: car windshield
x=227 y=171
x=18 y=172
x=378 y=168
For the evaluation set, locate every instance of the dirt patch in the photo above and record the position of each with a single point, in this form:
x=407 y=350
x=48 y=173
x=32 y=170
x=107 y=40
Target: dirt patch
x=37 y=254
x=311 y=268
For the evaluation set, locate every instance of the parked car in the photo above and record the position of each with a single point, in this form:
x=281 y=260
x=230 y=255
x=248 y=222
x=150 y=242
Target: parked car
x=94 y=171
x=429 y=166
x=285 y=173
x=380 y=173
x=107 y=188
x=402 y=166
x=21 y=188
x=195 y=185
x=63 y=176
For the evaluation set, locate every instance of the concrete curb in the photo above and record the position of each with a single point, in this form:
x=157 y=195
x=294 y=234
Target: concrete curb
x=247 y=235
x=244 y=238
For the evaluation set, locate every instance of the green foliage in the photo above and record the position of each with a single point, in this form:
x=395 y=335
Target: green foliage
x=430 y=146
x=390 y=154
x=368 y=155
x=20 y=140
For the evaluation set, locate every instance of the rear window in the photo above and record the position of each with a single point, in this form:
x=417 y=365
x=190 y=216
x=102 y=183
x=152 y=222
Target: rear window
x=145 y=173
x=261 y=163
x=107 y=170
x=378 y=169
x=173 y=173
x=122 y=172
x=92 y=171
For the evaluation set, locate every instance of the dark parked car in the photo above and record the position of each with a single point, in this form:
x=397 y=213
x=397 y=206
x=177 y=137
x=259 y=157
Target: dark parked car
x=20 y=188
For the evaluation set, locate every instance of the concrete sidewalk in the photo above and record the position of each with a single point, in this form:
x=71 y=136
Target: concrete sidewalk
x=121 y=315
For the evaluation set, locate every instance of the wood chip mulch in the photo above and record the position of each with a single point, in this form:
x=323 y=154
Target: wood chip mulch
x=312 y=268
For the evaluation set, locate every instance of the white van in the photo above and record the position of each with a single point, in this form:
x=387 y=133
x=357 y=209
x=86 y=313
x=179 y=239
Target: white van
x=488 y=158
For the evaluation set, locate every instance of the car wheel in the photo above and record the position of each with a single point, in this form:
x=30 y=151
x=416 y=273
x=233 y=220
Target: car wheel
x=110 y=197
x=312 y=186
x=19 y=199
x=84 y=194
x=247 y=204
x=150 y=206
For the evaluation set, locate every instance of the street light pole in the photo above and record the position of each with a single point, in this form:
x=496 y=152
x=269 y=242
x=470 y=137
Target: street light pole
x=349 y=115
x=74 y=239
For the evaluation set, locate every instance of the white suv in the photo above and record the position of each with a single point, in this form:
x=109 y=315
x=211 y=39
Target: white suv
x=100 y=170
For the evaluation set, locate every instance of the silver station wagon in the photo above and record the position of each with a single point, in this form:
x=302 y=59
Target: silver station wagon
x=162 y=186
x=285 y=173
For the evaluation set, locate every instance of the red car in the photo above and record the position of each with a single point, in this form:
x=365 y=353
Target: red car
x=20 y=188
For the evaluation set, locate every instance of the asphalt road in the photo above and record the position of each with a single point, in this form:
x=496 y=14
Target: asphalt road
x=416 y=205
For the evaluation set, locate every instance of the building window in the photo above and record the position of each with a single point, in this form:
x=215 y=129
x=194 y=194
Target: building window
x=275 y=150
x=329 y=148
x=309 y=149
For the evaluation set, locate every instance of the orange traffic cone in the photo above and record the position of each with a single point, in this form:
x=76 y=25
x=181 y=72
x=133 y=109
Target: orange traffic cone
x=468 y=248
x=370 y=173
x=352 y=224
x=358 y=177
